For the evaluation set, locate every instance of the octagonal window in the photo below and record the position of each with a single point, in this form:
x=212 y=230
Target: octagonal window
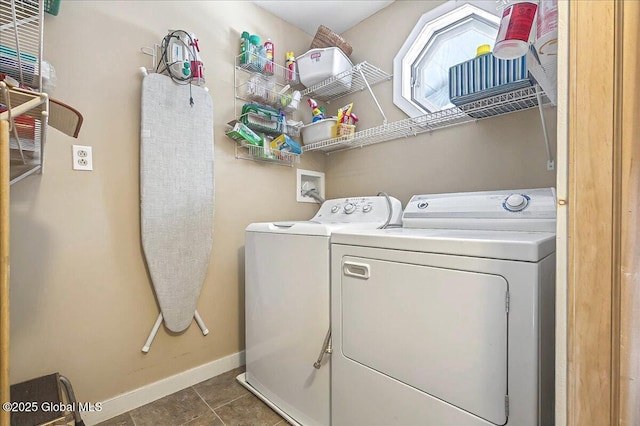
x=443 y=37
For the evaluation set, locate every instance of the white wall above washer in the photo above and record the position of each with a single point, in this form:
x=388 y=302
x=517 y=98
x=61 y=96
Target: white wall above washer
x=308 y=15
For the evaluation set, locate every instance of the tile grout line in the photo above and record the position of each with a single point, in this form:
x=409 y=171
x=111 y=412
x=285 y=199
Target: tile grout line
x=207 y=404
x=227 y=403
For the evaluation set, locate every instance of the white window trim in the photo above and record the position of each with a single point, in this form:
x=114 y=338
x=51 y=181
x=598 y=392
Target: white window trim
x=420 y=35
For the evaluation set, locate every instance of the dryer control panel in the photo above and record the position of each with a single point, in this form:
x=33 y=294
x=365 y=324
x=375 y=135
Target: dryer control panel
x=508 y=210
x=360 y=209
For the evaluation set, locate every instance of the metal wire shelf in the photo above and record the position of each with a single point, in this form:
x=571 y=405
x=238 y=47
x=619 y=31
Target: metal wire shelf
x=258 y=153
x=21 y=35
x=253 y=64
x=506 y=103
x=361 y=76
x=21 y=29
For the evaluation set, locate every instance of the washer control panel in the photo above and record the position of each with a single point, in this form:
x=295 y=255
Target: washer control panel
x=522 y=209
x=360 y=209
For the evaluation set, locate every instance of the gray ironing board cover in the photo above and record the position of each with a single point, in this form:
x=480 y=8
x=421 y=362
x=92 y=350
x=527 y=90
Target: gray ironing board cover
x=176 y=193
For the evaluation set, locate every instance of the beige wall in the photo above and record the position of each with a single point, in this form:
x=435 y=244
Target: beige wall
x=82 y=302
x=500 y=153
x=81 y=299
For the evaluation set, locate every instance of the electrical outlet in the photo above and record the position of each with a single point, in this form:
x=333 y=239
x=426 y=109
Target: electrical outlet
x=82 y=158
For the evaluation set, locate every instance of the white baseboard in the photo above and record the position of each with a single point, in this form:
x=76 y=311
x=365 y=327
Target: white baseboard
x=149 y=393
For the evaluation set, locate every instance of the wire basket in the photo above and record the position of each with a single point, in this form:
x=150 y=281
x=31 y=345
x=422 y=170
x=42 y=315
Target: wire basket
x=52 y=6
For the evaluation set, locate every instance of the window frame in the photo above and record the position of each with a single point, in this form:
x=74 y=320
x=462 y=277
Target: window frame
x=430 y=23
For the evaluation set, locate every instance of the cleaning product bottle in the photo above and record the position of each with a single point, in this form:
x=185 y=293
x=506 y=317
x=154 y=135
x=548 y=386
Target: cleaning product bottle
x=254 y=51
x=197 y=67
x=512 y=41
x=292 y=72
x=262 y=58
x=269 y=50
x=244 y=48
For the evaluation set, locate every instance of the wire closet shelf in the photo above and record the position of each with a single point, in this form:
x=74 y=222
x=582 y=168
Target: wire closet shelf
x=21 y=37
x=502 y=104
x=362 y=76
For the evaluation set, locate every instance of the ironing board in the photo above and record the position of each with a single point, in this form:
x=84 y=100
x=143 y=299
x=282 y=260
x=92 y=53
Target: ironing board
x=177 y=196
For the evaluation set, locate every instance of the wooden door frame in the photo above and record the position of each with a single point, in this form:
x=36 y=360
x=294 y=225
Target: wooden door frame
x=4 y=270
x=603 y=276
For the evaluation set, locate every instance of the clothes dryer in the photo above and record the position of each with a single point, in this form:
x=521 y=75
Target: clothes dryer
x=287 y=304
x=450 y=319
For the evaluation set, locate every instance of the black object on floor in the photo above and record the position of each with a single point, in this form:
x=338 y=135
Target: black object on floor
x=40 y=401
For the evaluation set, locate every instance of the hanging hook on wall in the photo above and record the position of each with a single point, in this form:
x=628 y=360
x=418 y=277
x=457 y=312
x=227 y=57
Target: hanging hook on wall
x=153 y=52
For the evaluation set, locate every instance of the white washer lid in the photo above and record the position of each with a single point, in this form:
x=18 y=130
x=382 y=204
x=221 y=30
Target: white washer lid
x=508 y=245
x=339 y=213
x=308 y=227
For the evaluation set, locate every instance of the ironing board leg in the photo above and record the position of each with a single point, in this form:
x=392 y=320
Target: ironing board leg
x=203 y=327
x=152 y=335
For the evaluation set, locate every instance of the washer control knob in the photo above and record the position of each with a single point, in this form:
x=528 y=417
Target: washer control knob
x=349 y=208
x=335 y=208
x=423 y=205
x=367 y=208
x=515 y=202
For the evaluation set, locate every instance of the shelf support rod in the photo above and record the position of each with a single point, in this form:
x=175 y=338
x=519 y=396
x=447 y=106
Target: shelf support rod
x=384 y=117
x=550 y=162
x=14 y=129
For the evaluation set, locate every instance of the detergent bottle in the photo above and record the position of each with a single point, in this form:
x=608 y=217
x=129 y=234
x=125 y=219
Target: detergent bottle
x=244 y=48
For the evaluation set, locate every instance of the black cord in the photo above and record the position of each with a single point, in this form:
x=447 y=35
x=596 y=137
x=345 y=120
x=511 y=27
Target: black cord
x=164 y=60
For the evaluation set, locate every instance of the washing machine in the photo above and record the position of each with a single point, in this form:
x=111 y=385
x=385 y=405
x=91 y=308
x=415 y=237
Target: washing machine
x=448 y=320
x=287 y=304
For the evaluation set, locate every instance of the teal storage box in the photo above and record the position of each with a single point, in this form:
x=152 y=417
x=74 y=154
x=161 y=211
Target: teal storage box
x=486 y=76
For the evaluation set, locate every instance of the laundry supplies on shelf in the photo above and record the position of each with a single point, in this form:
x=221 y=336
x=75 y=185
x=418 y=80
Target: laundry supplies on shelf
x=242 y=133
x=485 y=76
x=317 y=131
x=262 y=119
x=317 y=65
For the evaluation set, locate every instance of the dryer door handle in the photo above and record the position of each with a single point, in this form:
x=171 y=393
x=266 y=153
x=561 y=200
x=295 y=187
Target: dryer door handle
x=357 y=270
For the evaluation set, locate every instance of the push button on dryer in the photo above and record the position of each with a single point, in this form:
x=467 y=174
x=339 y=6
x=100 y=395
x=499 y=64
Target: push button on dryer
x=516 y=202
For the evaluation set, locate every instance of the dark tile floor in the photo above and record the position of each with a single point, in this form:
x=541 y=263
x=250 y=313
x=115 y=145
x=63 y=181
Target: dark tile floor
x=218 y=401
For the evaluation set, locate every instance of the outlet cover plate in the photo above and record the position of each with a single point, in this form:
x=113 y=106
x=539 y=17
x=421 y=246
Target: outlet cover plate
x=82 y=157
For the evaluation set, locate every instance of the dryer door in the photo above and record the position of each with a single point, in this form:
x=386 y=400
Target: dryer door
x=441 y=331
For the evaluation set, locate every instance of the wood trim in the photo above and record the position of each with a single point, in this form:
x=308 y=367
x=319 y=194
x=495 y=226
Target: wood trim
x=616 y=190
x=629 y=408
x=4 y=270
x=603 y=375
x=590 y=233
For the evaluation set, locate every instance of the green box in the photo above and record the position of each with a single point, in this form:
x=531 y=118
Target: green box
x=243 y=133
x=52 y=6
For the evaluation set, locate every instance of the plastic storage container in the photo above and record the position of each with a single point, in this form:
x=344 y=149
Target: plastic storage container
x=318 y=131
x=52 y=7
x=486 y=76
x=317 y=65
x=515 y=29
